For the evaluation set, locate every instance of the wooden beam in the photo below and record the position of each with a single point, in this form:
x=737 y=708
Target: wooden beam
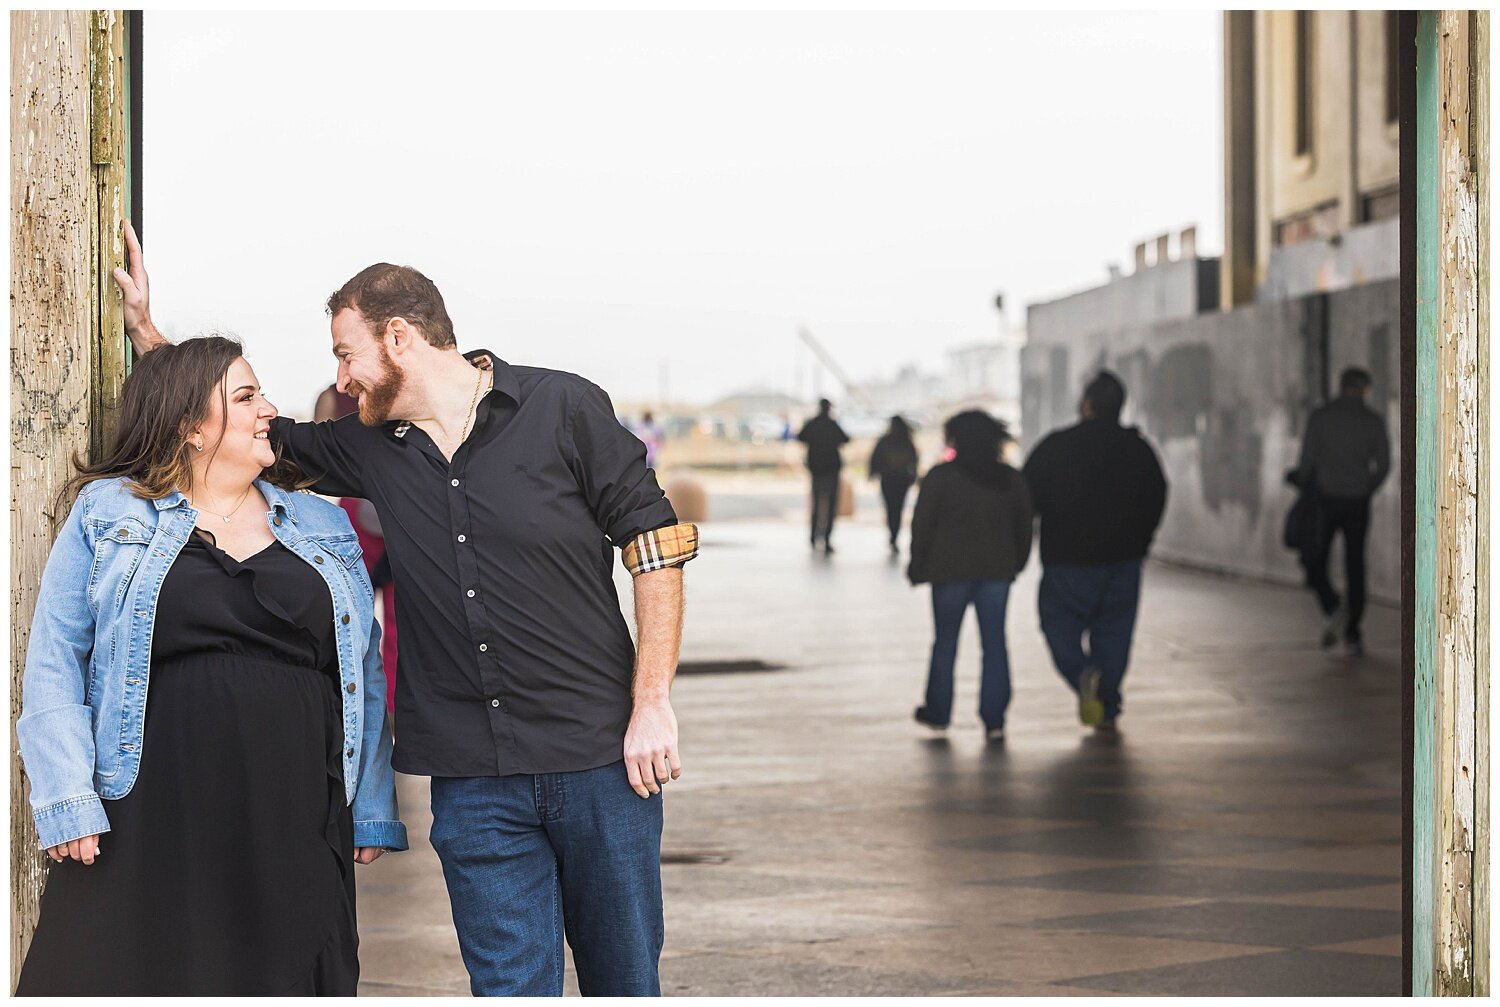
x=1459 y=434
x=111 y=153
x=53 y=223
x=68 y=183
x=1480 y=118
x=1424 y=510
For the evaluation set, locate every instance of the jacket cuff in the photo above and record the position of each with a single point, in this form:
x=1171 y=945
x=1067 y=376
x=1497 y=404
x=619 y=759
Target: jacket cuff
x=669 y=546
x=71 y=819
x=391 y=835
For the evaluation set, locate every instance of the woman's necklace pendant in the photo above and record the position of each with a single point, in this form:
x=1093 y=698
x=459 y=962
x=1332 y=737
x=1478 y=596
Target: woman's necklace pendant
x=226 y=520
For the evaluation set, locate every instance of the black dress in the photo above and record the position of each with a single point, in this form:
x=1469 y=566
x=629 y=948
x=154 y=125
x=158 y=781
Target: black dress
x=229 y=865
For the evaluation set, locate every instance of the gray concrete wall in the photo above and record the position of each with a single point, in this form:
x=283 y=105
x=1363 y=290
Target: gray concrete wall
x=1224 y=398
x=1176 y=289
x=1361 y=255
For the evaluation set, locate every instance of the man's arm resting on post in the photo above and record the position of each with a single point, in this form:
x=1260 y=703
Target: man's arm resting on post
x=655 y=561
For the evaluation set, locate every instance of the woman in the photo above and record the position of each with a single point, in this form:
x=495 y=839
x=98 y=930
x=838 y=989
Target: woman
x=202 y=683
x=970 y=536
x=894 y=463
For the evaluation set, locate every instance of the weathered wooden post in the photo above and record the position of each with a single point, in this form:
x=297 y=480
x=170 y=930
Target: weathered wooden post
x=1450 y=896
x=67 y=144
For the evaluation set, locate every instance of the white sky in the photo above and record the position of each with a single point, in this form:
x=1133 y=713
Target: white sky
x=604 y=192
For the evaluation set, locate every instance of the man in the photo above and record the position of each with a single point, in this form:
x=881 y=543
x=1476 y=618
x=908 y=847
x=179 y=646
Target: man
x=500 y=490
x=1100 y=493
x=1346 y=455
x=823 y=437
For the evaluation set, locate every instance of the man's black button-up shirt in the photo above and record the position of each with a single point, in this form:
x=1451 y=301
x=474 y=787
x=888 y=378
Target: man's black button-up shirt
x=514 y=656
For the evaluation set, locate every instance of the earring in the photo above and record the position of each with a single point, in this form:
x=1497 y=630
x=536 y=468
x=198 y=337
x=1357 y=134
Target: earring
x=198 y=446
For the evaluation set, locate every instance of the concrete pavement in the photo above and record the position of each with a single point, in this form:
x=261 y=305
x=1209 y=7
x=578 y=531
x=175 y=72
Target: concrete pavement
x=1241 y=836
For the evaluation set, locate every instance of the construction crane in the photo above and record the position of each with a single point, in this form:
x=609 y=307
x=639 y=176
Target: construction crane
x=826 y=359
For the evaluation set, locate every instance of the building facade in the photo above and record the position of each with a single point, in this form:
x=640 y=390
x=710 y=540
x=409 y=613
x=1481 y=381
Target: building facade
x=1311 y=152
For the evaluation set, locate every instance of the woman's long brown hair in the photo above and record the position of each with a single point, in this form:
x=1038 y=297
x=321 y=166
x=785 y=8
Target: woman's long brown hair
x=168 y=393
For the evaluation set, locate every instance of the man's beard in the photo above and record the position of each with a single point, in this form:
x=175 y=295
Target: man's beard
x=378 y=399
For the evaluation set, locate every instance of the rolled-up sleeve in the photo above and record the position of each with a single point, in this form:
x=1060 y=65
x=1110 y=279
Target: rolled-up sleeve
x=610 y=463
x=661 y=548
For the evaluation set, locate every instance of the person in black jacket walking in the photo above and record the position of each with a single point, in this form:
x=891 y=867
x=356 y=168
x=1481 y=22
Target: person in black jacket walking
x=1346 y=455
x=970 y=536
x=823 y=437
x=894 y=463
x=1100 y=493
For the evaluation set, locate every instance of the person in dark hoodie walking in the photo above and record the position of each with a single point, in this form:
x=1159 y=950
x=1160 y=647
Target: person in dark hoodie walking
x=1100 y=493
x=1346 y=455
x=970 y=536
x=894 y=463
x=824 y=437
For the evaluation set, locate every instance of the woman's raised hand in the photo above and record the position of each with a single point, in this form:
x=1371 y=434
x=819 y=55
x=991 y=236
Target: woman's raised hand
x=85 y=849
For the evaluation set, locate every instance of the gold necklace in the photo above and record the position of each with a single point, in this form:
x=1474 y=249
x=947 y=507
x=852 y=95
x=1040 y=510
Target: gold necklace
x=243 y=497
x=473 y=413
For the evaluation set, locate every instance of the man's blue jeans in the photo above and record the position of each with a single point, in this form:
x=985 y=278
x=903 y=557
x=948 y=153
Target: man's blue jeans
x=531 y=858
x=1097 y=599
x=950 y=601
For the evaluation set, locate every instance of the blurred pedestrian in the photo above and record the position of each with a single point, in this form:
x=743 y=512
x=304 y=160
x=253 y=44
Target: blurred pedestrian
x=970 y=537
x=1346 y=455
x=894 y=463
x=333 y=404
x=1100 y=493
x=651 y=435
x=824 y=437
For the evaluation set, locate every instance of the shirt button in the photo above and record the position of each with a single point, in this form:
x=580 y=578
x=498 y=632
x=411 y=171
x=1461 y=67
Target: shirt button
x=276 y=520
x=483 y=647
x=462 y=538
x=494 y=702
x=348 y=751
x=471 y=592
x=351 y=690
x=317 y=559
x=455 y=482
x=346 y=618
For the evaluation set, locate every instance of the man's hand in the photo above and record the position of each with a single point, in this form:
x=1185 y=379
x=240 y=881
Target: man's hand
x=651 y=747
x=136 y=291
x=85 y=849
x=368 y=854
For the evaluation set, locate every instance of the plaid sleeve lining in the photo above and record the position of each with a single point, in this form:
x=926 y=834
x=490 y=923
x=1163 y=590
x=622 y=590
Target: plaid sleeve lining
x=661 y=548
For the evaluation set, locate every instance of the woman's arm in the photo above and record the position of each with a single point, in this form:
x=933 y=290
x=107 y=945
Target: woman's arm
x=377 y=820
x=924 y=521
x=55 y=731
x=1023 y=523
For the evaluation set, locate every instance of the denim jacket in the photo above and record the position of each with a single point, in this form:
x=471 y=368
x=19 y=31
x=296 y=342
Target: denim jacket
x=88 y=662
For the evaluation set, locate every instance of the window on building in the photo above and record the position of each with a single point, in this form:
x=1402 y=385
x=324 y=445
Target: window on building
x=1302 y=86
x=1381 y=205
x=1392 y=65
x=1319 y=223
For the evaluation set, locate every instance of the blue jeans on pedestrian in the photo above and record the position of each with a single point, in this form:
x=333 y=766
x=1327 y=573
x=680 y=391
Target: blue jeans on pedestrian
x=950 y=600
x=1097 y=600
x=531 y=858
